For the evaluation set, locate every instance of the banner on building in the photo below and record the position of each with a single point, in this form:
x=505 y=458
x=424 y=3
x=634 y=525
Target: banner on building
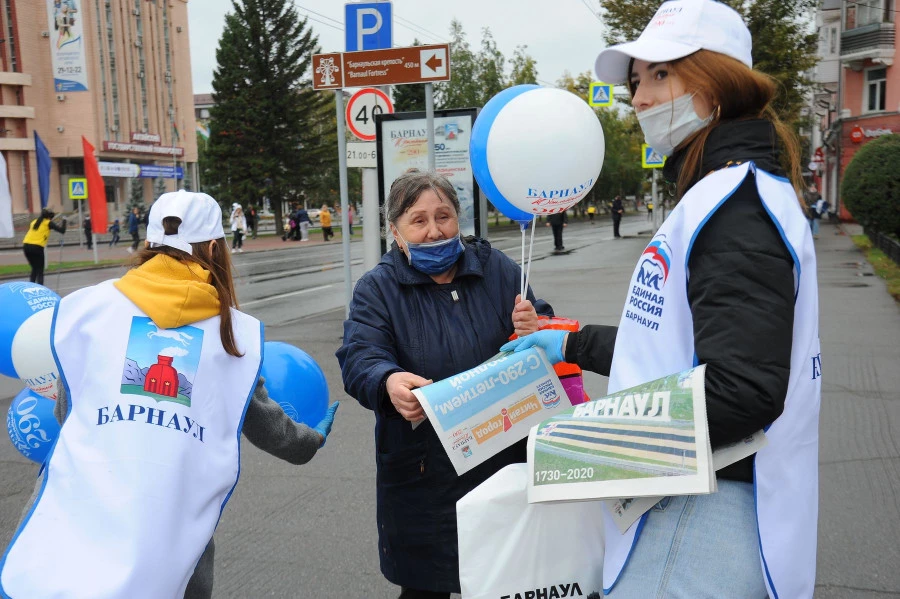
x=67 y=45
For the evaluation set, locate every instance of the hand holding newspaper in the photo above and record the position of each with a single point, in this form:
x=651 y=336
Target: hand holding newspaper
x=482 y=411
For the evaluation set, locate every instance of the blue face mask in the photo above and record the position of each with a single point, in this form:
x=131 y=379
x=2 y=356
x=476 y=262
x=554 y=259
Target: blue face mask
x=435 y=257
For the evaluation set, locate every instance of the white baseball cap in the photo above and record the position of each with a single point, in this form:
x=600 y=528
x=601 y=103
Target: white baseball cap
x=680 y=28
x=201 y=220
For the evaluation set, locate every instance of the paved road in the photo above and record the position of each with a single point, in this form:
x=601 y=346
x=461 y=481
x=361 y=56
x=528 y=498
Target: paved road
x=309 y=531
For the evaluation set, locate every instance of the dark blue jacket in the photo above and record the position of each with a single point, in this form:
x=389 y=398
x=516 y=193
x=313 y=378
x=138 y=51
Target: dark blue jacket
x=133 y=222
x=402 y=320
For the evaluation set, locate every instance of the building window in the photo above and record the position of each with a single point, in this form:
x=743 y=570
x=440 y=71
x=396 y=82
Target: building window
x=876 y=89
x=832 y=45
x=860 y=14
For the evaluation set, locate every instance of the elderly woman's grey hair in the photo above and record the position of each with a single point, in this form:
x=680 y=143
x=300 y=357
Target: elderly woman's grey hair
x=407 y=188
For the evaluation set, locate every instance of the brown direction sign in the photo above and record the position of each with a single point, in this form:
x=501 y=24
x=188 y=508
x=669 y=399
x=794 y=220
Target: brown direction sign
x=393 y=66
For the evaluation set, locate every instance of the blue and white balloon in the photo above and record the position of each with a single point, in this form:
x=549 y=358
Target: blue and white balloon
x=31 y=425
x=25 y=352
x=536 y=150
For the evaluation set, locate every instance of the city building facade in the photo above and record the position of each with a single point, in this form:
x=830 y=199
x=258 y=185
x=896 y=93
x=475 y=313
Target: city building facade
x=858 y=95
x=116 y=72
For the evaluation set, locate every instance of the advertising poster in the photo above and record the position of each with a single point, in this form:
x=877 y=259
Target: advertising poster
x=649 y=440
x=403 y=144
x=480 y=412
x=67 y=45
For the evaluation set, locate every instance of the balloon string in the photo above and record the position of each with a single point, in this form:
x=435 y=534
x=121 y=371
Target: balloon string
x=522 y=270
x=530 y=254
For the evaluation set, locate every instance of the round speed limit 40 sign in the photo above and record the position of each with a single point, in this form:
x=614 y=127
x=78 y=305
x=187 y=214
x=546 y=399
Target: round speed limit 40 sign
x=361 y=111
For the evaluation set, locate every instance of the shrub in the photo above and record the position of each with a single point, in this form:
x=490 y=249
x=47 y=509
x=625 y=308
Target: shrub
x=871 y=185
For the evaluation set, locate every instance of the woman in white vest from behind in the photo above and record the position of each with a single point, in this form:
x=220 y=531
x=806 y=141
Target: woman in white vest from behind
x=728 y=281
x=160 y=377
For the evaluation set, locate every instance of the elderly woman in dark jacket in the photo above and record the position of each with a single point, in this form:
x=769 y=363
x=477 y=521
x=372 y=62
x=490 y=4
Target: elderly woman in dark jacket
x=436 y=305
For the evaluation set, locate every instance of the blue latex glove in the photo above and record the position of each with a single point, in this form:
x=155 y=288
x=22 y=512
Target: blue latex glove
x=324 y=426
x=549 y=340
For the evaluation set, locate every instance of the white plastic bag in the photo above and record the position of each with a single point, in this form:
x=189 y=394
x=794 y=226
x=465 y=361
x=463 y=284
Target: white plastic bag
x=510 y=549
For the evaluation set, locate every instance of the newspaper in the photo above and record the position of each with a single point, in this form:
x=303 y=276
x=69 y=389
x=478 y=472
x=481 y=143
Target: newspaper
x=647 y=441
x=482 y=411
x=626 y=512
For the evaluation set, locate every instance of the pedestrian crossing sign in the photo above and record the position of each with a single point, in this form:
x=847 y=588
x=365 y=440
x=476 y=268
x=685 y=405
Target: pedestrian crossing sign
x=650 y=158
x=601 y=94
x=78 y=189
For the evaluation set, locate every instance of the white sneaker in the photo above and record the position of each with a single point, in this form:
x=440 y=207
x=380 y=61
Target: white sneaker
x=129 y=250
x=240 y=250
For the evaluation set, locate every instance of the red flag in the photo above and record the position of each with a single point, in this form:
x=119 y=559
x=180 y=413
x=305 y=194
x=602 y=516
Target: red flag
x=96 y=189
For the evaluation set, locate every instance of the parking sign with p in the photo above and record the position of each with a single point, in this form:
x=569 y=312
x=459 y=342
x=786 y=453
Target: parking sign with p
x=368 y=26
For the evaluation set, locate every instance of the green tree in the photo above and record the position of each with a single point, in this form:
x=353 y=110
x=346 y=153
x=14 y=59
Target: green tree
x=524 y=67
x=266 y=127
x=870 y=186
x=490 y=61
x=462 y=91
x=783 y=45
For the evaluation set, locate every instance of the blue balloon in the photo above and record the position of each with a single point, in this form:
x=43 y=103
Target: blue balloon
x=295 y=382
x=19 y=301
x=478 y=153
x=31 y=425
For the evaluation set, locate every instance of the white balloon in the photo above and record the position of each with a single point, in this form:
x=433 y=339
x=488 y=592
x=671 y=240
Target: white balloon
x=545 y=150
x=32 y=356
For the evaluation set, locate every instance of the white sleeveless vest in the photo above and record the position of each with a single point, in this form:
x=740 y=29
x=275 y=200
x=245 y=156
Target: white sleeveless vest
x=146 y=459
x=656 y=338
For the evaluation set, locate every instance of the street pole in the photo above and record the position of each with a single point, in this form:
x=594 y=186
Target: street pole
x=429 y=123
x=656 y=205
x=345 y=201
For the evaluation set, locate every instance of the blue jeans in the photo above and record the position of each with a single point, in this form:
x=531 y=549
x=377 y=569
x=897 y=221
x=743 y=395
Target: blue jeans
x=814 y=225
x=696 y=546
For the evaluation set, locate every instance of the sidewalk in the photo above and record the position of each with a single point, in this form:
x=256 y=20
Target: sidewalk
x=859 y=451
x=74 y=253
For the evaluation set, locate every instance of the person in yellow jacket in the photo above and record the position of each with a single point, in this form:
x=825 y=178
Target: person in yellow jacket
x=325 y=221
x=36 y=240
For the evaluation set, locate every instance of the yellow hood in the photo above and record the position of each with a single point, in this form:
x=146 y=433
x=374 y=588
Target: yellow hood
x=170 y=292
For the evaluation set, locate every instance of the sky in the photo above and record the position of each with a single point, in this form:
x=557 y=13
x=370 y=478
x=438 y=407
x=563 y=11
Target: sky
x=561 y=35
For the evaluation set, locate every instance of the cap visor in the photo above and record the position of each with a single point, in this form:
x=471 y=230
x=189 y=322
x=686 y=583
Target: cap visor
x=611 y=65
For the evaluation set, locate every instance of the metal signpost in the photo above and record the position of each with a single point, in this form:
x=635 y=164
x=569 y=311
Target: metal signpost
x=650 y=158
x=78 y=191
x=372 y=68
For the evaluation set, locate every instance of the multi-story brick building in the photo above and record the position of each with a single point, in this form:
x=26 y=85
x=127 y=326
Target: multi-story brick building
x=114 y=71
x=861 y=100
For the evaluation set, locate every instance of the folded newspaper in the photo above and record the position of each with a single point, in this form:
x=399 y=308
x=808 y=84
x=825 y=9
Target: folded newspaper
x=482 y=411
x=651 y=440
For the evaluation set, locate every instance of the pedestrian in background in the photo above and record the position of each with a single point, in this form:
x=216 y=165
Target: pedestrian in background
x=238 y=227
x=88 y=234
x=557 y=222
x=325 y=221
x=178 y=456
x=592 y=210
x=729 y=283
x=114 y=230
x=134 y=221
x=350 y=214
x=252 y=220
x=617 y=211
x=35 y=242
x=303 y=222
x=650 y=210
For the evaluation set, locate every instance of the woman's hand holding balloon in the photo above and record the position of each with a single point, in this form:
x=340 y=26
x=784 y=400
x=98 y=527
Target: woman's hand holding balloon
x=551 y=341
x=399 y=388
x=524 y=317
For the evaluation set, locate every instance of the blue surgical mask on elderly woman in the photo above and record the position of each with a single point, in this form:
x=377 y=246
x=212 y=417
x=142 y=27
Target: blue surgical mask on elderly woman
x=434 y=257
